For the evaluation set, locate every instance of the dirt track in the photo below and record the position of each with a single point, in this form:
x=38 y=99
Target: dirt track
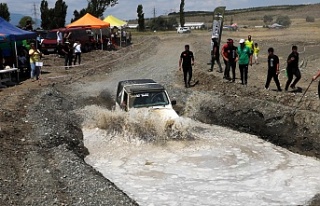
x=41 y=141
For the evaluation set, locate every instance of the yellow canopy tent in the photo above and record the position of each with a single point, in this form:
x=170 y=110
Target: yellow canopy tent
x=115 y=22
x=91 y=22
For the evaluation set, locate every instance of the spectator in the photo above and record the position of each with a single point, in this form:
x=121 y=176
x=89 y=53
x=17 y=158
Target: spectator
x=67 y=50
x=249 y=43
x=244 y=59
x=215 y=56
x=28 y=25
x=35 y=56
x=124 y=36
x=77 y=52
x=293 y=68
x=59 y=43
x=187 y=61
x=59 y=37
x=273 y=69
x=256 y=51
x=1 y=59
x=67 y=36
x=230 y=58
x=314 y=78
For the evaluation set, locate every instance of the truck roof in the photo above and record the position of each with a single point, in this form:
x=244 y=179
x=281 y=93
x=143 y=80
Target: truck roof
x=140 y=85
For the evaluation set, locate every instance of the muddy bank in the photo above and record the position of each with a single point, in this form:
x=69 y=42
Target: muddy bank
x=284 y=126
x=54 y=169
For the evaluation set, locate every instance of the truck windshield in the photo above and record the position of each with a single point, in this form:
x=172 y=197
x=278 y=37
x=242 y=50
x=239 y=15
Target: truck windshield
x=148 y=99
x=51 y=35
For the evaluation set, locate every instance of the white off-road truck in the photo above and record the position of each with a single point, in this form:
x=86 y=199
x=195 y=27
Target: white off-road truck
x=145 y=93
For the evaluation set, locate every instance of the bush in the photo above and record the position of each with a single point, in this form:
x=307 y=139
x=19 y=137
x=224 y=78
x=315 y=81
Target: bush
x=267 y=19
x=310 y=19
x=283 y=20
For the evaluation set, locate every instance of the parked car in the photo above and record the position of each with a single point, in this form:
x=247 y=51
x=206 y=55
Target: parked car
x=182 y=30
x=145 y=93
x=49 y=43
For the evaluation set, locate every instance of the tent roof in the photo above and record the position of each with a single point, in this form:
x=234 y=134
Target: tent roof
x=89 y=21
x=114 y=21
x=9 y=32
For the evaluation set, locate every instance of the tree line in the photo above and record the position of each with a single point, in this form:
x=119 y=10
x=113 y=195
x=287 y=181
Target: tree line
x=55 y=17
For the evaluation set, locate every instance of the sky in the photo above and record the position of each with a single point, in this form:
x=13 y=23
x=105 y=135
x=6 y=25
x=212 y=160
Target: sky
x=127 y=9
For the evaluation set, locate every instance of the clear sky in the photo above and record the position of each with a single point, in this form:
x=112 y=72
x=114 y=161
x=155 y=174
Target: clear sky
x=127 y=9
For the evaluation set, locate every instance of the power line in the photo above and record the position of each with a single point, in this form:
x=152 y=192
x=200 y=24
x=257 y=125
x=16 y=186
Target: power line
x=35 y=14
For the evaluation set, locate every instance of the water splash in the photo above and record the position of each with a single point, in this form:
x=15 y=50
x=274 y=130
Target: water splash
x=139 y=124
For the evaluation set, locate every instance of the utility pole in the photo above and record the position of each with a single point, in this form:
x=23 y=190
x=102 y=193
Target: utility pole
x=35 y=14
x=154 y=12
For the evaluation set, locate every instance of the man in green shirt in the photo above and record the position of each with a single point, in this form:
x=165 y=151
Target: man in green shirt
x=244 y=59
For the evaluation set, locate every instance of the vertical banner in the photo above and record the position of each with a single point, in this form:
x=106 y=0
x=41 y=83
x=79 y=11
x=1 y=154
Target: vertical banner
x=217 y=25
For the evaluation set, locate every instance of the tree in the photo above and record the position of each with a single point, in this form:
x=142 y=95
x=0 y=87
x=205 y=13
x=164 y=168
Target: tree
x=95 y=8
x=60 y=13
x=52 y=18
x=283 y=20
x=231 y=20
x=23 y=21
x=182 y=20
x=172 y=21
x=77 y=15
x=45 y=17
x=140 y=18
x=98 y=7
x=267 y=19
x=4 y=11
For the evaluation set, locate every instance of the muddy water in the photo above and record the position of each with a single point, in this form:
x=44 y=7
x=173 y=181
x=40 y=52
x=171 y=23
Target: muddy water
x=194 y=163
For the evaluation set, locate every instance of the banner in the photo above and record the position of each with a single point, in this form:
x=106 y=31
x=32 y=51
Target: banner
x=217 y=25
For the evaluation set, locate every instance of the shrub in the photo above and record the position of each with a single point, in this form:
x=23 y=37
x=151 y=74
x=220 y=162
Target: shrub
x=267 y=19
x=310 y=19
x=283 y=20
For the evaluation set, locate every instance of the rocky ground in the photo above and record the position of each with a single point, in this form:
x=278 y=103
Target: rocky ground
x=41 y=140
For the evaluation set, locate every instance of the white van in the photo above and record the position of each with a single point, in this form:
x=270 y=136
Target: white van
x=182 y=30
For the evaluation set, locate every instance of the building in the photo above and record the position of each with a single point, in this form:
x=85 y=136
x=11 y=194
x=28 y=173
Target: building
x=194 y=25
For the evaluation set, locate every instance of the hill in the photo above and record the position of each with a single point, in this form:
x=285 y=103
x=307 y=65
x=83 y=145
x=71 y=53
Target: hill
x=251 y=16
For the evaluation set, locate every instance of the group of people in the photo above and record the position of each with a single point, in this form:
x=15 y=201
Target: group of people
x=69 y=49
x=246 y=51
x=243 y=55
x=232 y=55
x=71 y=52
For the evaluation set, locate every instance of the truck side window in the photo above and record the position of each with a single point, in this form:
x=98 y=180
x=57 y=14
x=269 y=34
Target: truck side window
x=124 y=101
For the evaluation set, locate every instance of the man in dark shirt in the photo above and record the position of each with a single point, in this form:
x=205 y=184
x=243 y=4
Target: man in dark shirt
x=67 y=50
x=230 y=57
x=215 y=56
x=273 y=69
x=293 y=68
x=187 y=61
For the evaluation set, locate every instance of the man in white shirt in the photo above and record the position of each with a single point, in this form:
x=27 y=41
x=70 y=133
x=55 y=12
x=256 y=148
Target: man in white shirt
x=77 y=51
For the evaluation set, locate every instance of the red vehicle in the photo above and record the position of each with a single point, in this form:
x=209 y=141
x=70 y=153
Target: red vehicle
x=49 y=44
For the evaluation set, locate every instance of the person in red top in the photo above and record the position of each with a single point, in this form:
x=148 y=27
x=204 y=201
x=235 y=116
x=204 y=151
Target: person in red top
x=230 y=57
